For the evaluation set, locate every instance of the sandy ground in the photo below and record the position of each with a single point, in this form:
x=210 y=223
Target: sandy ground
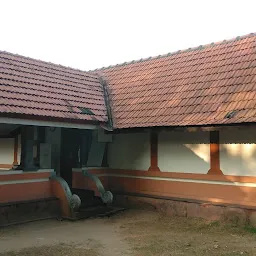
x=93 y=236
x=133 y=232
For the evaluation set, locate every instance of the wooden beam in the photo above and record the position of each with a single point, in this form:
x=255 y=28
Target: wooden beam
x=214 y=153
x=154 y=151
x=50 y=122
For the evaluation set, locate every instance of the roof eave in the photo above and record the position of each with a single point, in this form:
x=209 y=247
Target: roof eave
x=50 y=122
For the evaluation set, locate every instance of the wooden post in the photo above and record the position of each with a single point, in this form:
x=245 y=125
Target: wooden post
x=214 y=153
x=154 y=152
x=16 y=145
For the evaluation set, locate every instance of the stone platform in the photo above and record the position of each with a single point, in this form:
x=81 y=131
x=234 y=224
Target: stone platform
x=236 y=215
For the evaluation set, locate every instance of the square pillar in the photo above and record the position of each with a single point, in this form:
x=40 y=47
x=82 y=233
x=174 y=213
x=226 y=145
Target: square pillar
x=214 y=153
x=154 y=152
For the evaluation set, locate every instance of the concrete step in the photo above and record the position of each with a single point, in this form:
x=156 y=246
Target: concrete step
x=87 y=197
x=83 y=192
x=12 y=213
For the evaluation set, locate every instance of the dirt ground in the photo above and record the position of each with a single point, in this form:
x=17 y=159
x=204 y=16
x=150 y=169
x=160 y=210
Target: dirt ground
x=133 y=232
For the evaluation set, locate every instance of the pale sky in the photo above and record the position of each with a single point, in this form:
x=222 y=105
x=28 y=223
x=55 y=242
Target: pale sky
x=96 y=33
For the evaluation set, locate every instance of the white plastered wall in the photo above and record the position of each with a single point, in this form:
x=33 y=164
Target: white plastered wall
x=238 y=151
x=6 y=150
x=184 y=152
x=129 y=151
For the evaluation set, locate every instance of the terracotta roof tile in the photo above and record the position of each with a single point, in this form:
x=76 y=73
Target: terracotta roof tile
x=194 y=87
x=34 y=87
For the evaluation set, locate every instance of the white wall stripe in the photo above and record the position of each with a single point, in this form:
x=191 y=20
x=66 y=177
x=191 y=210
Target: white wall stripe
x=42 y=171
x=226 y=183
x=9 y=182
x=24 y=172
x=10 y=172
x=88 y=168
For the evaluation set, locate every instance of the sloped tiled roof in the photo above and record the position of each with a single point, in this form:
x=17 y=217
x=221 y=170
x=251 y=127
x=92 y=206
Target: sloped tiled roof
x=198 y=86
x=36 y=88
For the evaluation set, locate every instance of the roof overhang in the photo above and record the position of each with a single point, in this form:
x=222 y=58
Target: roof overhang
x=21 y=121
x=191 y=128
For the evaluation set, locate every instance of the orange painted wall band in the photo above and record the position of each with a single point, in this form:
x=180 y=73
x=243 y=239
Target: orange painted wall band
x=26 y=191
x=240 y=195
x=175 y=175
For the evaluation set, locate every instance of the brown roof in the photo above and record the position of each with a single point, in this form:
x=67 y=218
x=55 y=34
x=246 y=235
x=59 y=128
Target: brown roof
x=197 y=86
x=35 y=88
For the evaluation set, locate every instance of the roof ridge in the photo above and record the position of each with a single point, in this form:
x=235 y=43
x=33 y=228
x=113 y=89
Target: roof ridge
x=176 y=52
x=45 y=62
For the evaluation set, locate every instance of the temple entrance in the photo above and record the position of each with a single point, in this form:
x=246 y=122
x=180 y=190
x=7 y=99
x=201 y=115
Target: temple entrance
x=69 y=153
x=75 y=145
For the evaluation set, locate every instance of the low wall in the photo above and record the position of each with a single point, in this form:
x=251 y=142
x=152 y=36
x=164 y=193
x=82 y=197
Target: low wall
x=221 y=189
x=234 y=215
x=213 y=197
x=21 y=186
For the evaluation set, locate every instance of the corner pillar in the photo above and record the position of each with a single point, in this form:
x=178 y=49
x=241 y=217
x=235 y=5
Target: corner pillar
x=27 y=148
x=154 y=152
x=215 y=153
x=15 y=153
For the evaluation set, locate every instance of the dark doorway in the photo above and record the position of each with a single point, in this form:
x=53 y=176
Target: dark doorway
x=69 y=153
x=75 y=145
